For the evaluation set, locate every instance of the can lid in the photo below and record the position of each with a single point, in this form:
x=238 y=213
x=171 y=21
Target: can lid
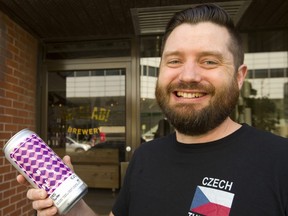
x=16 y=139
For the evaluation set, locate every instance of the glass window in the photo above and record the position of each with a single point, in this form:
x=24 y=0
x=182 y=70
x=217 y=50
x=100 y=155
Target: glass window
x=277 y=72
x=144 y=70
x=250 y=74
x=261 y=73
x=97 y=72
x=153 y=122
x=89 y=49
x=265 y=104
x=82 y=73
x=86 y=110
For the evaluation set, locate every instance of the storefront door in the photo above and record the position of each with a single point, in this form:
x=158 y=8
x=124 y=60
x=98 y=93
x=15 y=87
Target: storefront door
x=86 y=114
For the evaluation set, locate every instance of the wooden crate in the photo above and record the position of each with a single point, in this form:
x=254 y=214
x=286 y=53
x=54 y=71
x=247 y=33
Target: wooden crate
x=98 y=156
x=98 y=169
x=99 y=176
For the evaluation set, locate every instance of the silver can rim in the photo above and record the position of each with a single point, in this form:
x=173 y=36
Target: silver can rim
x=22 y=133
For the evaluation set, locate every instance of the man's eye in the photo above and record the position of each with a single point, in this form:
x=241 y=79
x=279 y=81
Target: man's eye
x=174 y=62
x=210 y=62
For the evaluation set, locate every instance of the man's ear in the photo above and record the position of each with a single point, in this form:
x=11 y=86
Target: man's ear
x=241 y=74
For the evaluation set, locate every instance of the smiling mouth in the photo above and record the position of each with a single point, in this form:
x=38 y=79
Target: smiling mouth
x=190 y=95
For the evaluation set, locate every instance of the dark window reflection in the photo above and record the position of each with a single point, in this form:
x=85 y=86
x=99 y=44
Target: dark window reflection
x=86 y=110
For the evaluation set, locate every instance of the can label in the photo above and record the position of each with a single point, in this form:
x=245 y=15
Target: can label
x=60 y=195
x=40 y=163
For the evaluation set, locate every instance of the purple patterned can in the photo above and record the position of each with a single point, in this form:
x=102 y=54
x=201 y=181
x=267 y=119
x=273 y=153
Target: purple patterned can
x=42 y=168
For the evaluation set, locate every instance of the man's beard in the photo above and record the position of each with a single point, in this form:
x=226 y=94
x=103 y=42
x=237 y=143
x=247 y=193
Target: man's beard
x=189 y=120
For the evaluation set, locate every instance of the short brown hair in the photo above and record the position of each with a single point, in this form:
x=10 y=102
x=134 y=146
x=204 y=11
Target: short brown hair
x=208 y=13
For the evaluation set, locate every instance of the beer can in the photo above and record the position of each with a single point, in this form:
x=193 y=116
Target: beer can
x=44 y=169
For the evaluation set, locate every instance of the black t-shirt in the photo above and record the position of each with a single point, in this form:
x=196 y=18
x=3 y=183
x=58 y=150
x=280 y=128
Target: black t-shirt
x=243 y=174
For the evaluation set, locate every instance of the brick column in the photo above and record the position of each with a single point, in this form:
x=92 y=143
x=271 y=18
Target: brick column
x=18 y=68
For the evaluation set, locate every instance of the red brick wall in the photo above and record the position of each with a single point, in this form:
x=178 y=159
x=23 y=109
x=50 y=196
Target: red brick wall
x=18 y=65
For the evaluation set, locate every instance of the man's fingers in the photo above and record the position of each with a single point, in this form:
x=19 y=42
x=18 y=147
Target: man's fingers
x=21 y=180
x=67 y=161
x=42 y=204
x=36 y=194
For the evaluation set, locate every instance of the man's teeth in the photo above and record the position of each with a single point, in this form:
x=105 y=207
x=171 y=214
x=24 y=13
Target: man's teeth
x=189 y=95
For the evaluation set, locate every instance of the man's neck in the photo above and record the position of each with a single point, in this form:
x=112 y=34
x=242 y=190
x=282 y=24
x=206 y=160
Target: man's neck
x=224 y=129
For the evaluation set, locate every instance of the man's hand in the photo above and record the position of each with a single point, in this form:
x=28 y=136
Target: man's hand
x=41 y=202
x=44 y=205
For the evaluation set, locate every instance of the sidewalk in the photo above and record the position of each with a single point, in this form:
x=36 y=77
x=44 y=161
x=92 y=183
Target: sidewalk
x=100 y=200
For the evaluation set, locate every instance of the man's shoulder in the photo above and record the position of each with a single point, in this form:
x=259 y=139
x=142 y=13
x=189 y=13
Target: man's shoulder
x=260 y=134
x=266 y=143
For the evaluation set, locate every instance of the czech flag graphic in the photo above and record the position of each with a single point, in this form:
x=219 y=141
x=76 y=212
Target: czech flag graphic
x=211 y=202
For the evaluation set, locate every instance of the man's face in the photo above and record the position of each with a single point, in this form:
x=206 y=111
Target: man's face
x=197 y=87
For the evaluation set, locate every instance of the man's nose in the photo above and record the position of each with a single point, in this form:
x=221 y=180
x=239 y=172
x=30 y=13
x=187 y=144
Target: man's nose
x=190 y=73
